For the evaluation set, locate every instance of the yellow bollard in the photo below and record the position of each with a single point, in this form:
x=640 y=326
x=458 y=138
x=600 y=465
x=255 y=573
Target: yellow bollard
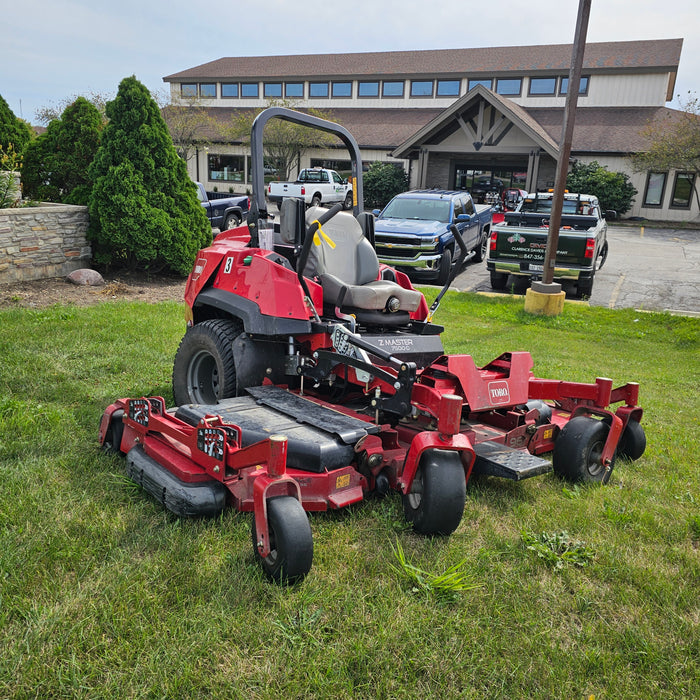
x=544 y=299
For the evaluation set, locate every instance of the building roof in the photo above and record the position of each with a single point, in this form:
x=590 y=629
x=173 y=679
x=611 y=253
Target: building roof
x=657 y=54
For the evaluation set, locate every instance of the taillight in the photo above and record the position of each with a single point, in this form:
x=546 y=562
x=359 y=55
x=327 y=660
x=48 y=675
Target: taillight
x=590 y=247
x=494 y=236
x=303 y=190
x=269 y=190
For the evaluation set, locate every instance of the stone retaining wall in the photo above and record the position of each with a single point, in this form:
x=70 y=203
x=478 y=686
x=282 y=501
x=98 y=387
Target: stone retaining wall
x=45 y=241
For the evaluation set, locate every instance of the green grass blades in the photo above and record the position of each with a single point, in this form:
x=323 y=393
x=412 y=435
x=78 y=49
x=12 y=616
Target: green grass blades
x=103 y=594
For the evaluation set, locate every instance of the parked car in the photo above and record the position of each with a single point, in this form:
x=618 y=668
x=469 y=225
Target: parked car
x=413 y=231
x=316 y=186
x=223 y=211
x=484 y=185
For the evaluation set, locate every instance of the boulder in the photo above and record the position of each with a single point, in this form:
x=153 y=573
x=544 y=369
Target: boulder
x=87 y=277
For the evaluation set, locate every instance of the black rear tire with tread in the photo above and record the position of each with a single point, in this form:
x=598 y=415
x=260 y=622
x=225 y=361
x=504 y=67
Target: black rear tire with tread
x=578 y=449
x=232 y=220
x=435 y=504
x=498 y=280
x=482 y=249
x=204 y=370
x=445 y=267
x=291 y=542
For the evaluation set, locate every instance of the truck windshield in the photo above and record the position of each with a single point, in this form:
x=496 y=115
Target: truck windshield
x=544 y=206
x=421 y=209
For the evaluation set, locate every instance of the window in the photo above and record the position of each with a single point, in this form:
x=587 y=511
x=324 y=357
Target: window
x=392 y=88
x=207 y=89
x=421 y=88
x=543 y=86
x=508 y=86
x=683 y=190
x=654 y=193
x=341 y=89
x=188 y=89
x=226 y=168
x=582 y=86
x=368 y=89
x=272 y=90
x=318 y=89
x=229 y=89
x=459 y=208
x=294 y=89
x=249 y=89
x=448 y=88
x=487 y=83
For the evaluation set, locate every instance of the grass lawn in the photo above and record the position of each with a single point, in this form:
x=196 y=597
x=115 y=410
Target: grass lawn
x=565 y=592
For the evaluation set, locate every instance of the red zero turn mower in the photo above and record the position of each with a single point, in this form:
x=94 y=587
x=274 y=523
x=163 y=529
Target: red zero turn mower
x=311 y=376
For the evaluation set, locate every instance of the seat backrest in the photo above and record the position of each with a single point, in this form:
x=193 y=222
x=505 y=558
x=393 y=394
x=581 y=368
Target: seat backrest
x=352 y=260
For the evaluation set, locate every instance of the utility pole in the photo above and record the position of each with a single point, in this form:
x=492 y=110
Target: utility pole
x=547 y=285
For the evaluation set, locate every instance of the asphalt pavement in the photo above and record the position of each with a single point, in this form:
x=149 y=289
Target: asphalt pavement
x=653 y=269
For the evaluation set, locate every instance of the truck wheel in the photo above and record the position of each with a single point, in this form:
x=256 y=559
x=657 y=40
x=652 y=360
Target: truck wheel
x=232 y=220
x=348 y=201
x=445 y=267
x=316 y=200
x=633 y=441
x=435 y=503
x=584 y=288
x=498 y=280
x=578 y=449
x=291 y=542
x=482 y=249
x=204 y=370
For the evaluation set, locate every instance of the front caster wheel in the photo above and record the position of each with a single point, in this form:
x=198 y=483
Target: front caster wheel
x=578 y=450
x=633 y=441
x=291 y=543
x=435 y=503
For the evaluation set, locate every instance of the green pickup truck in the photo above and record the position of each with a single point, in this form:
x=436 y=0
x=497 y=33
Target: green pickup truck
x=518 y=244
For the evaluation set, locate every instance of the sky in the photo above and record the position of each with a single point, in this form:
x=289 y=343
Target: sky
x=55 y=50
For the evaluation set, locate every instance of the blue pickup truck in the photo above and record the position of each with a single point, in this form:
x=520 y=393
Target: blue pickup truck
x=223 y=211
x=413 y=231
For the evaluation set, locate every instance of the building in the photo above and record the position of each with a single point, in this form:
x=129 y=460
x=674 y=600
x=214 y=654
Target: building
x=450 y=115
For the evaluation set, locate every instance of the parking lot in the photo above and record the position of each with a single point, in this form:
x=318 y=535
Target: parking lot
x=647 y=268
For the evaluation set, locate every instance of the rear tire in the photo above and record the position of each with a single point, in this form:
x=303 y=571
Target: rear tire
x=204 y=370
x=482 y=249
x=584 y=288
x=445 y=267
x=435 y=503
x=316 y=200
x=348 y=201
x=633 y=441
x=232 y=220
x=291 y=542
x=578 y=449
x=498 y=280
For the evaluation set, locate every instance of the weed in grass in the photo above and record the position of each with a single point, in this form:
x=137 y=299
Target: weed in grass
x=446 y=585
x=558 y=548
x=694 y=522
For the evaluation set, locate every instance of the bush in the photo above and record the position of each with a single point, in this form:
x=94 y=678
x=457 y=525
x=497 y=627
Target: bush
x=10 y=193
x=382 y=182
x=56 y=164
x=13 y=131
x=144 y=211
x=613 y=189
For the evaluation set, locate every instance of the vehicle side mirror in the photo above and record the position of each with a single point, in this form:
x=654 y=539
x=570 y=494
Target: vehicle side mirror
x=463 y=217
x=610 y=214
x=376 y=212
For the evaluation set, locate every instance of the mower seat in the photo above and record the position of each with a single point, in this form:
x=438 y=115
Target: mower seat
x=347 y=267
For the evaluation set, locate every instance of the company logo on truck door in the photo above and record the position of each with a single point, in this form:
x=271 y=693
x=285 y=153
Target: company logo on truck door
x=499 y=392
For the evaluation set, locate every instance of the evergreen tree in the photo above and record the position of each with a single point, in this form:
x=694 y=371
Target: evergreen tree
x=613 y=189
x=144 y=211
x=13 y=131
x=382 y=182
x=56 y=164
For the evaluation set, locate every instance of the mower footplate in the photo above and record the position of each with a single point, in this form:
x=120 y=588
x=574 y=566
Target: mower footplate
x=494 y=459
x=318 y=438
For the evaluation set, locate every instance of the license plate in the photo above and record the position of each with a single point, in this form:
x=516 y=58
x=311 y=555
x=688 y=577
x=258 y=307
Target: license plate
x=536 y=268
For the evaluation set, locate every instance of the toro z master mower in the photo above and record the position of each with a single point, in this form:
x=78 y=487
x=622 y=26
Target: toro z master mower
x=311 y=376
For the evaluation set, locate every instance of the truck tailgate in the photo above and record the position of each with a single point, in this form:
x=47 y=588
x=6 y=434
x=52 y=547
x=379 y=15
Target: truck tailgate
x=530 y=245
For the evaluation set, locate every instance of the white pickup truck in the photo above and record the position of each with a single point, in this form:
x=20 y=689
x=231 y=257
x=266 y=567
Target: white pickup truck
x=315 y=186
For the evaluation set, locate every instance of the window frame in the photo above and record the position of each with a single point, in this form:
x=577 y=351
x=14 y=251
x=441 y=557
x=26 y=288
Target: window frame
x=230 y=85
x=565 y=78
x=422 y=82
x=445 y=81
x=678 y=175
x=235 y=156
x=473 y=82
x=316 y=84
x=386 y=96
x=256 y=96
x=268 y=95
x=193 y=92
x=289 y=94
x=552 y=93
x=510 y=80
x=363 y=83
x=338 y=83
x=664 y=181
x=208 y=97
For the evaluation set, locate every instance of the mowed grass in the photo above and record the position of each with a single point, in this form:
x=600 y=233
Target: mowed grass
x=566 y=592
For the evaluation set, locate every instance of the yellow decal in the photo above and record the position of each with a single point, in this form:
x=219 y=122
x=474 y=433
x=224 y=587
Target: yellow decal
x=548 y=433
x=342 y=481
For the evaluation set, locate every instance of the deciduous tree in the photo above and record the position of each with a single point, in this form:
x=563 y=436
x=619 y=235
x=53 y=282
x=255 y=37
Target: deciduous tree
x=613 y=189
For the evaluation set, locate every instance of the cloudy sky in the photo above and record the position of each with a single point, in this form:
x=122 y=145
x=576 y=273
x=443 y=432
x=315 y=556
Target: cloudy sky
x=55 y=50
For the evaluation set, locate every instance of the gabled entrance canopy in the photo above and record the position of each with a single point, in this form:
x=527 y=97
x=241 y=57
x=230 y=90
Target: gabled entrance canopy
x=484 y=129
